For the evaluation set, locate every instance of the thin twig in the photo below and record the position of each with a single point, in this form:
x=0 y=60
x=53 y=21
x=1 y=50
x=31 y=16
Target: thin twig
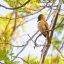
x=23 y=60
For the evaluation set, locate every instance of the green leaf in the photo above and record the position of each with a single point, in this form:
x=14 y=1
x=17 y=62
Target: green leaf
x=3 y=54
x=31 y=60
x=7 y=60
x=11 y=54
x=56 y=41
x=63 y=1
x=38 y=0
x=46 y=61
x=12 y=2
x=59 y=29
x=22 y=1
x=22 y=9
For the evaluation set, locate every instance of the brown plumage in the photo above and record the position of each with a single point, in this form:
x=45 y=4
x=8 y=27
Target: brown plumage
x=43 y=26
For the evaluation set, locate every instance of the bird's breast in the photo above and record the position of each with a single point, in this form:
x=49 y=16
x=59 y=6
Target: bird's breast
x=41 y=26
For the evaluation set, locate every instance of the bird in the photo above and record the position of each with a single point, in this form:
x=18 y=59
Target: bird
x=43 y=26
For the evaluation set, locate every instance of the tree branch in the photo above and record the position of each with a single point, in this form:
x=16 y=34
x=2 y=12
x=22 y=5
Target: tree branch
x=15 y=7
x=14 y=27
x=45 y=49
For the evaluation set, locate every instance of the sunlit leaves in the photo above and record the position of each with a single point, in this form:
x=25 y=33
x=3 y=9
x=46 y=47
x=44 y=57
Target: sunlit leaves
x=56 y=41
x=21 y=2
x=53 y=60
x=15 y=3
x=29 y=7
x=7 y=26
x=2 y=24
x=61 y=61
x=48 y=60
x=4 y=57
x=12 y=3
x=31 y=60
x=20 y=21
x=59 y=29
x=63 y=1
x=4 y=35
x=9 y=22
x=5 y=41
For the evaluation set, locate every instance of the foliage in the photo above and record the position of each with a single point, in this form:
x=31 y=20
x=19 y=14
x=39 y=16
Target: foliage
x=53 y=60
x=48 y=60
x=31 y=60
x=11 y=21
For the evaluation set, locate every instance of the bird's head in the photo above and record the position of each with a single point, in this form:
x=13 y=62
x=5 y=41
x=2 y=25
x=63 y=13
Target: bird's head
x=40 y=17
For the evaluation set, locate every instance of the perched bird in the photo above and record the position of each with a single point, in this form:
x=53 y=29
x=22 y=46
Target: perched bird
x=43 y=26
